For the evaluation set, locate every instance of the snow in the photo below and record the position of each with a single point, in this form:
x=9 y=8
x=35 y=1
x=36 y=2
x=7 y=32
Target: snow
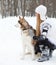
x=11 y=44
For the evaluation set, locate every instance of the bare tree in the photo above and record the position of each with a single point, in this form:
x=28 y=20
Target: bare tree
x=15 y=6
x=32 y=5
x=23 y=2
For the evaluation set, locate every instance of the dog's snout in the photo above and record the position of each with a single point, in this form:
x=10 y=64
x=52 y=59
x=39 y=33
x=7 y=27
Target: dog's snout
x=44 y=30
x=18 y=21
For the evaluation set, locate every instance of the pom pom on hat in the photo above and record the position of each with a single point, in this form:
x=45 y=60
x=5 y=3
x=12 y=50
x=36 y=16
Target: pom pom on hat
x=42 y=10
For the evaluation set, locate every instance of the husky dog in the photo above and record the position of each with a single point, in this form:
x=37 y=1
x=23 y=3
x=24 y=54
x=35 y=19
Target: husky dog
x=27 y=33
x=43 y=44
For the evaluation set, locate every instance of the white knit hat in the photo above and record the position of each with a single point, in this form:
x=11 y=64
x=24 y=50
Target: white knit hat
x=42 y=10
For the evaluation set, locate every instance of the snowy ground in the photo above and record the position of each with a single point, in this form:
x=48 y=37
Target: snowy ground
x=10 y=44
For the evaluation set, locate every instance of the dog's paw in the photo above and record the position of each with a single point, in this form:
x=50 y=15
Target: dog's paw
x=22 y=58
x=42 y=59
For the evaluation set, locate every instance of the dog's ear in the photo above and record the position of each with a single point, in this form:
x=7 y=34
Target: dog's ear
x=19 y=17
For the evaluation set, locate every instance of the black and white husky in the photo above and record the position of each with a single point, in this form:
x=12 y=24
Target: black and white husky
x=44 y=45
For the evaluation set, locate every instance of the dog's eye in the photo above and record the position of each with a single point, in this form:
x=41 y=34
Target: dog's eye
x=19 y=22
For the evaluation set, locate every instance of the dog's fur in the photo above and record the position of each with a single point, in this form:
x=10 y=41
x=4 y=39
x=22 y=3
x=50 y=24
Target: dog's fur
x=27 y=33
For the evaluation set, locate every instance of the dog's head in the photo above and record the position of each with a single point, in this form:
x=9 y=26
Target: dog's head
x=24 y=25
x=44 y=28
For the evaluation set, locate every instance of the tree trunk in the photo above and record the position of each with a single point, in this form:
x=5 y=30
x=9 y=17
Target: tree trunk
x=15 y=7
